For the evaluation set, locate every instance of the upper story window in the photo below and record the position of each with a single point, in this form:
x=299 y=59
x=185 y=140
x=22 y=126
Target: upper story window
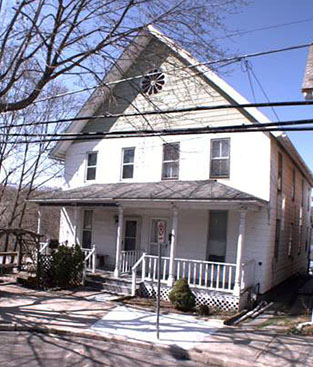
x=309 y=199
x=128 y=158
x=170 y=165
x=293 y=187
x=220 y=158
x=280 y=172
x=91 y=166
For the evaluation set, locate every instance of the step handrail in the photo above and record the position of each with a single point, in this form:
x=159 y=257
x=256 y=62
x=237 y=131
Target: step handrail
x=134 y=272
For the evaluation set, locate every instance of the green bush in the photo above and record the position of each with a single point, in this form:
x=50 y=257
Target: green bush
x=181 y=296
x=203 y=310
x=67 y=266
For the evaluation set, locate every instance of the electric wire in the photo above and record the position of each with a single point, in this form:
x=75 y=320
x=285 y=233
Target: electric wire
x=191 y=66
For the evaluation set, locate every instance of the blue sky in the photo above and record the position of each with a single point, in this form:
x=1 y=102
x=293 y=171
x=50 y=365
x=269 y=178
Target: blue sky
x=280 y=75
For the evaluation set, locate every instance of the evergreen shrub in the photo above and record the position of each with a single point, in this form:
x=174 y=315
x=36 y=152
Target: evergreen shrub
x=181 y=296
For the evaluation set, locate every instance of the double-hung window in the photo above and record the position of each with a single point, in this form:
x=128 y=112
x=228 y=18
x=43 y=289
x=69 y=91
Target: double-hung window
x=220 y=158
x=91 y=166
x=128 y=158
x=87 y=229
x=170 y=165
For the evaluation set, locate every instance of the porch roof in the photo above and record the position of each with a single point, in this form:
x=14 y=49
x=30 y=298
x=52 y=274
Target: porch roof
x=112 y=194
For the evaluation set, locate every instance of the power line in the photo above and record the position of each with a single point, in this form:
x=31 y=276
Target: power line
x=168 y=111
x=191 y=66
x=155 y=133
x=240 y=33
x=266 y=127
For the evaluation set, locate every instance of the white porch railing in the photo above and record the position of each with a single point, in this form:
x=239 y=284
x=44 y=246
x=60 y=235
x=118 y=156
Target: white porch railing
x=200 y=274
x=206 y=274
x=90 y=258
x=248 y=274
x=43 y=248
x=128 y=259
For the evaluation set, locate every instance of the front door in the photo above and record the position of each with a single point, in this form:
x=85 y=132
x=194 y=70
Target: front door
x=131 y=234
x=217 y=236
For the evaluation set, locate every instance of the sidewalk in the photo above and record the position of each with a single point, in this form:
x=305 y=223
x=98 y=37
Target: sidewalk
x=79 y=313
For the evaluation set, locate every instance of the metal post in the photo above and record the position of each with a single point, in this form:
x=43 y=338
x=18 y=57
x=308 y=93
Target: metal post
x=158 y=293
x=171 y=277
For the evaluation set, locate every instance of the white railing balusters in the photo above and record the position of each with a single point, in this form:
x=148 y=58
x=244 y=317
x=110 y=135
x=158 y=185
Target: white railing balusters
x=212 y=276
x=164 y=269
x=178 y=270
x=224 y=277
x=128 y=259
x=229 y=278
x=90 y=258
x=200 y=274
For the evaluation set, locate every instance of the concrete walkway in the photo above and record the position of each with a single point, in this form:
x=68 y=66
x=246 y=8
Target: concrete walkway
x=82 y=313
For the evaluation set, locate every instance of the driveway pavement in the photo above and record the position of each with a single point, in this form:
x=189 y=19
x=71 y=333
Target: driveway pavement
x=96 y=316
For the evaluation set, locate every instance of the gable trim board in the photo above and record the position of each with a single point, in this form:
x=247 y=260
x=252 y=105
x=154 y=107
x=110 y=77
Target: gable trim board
x=126 y=60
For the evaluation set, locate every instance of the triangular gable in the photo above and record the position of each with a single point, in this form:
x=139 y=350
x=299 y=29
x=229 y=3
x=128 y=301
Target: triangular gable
x=124 y=64
x=152 y=49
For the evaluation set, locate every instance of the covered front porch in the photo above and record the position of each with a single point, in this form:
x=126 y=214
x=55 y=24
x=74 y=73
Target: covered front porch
x=209 y=241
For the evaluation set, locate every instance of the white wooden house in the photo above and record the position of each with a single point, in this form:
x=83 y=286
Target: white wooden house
x=235 y=204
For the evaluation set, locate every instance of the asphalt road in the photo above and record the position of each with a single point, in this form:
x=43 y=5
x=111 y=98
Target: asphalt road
x=33 y=350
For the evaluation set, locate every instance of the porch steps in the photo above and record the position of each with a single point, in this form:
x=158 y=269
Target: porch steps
x=107 y=283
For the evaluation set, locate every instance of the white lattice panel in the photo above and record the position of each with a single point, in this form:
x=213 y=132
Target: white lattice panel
x=215 y=300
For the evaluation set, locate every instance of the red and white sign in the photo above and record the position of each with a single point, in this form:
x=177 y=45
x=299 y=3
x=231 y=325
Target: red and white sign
x=161 y=231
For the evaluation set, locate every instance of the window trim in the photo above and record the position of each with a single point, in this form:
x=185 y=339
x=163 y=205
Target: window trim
x=95 y=166
x=85 y=229
x=219 y=158
x=127 y=164
x=170 y=161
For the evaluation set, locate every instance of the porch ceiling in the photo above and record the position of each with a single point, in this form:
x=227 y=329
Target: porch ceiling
x=165 y=191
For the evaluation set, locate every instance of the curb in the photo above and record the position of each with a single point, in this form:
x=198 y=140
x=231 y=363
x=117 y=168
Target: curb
x=194 y=354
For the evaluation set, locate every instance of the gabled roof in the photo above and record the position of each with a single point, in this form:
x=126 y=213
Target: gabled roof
x=130 y=55
x=125 y=62
x=190 y=191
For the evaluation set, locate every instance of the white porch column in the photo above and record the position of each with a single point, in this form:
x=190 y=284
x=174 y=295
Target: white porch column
x=39 y=221
x=75 y=226
x=240 y=247
x=119 y=241
x=171 y=277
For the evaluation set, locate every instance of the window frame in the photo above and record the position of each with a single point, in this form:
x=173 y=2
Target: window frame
x=219 y=158
x=123 y=164
x=91 y=166
x=87 y=228
x=172 y=161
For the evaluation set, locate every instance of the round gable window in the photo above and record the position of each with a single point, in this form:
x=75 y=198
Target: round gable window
x=153 y=82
